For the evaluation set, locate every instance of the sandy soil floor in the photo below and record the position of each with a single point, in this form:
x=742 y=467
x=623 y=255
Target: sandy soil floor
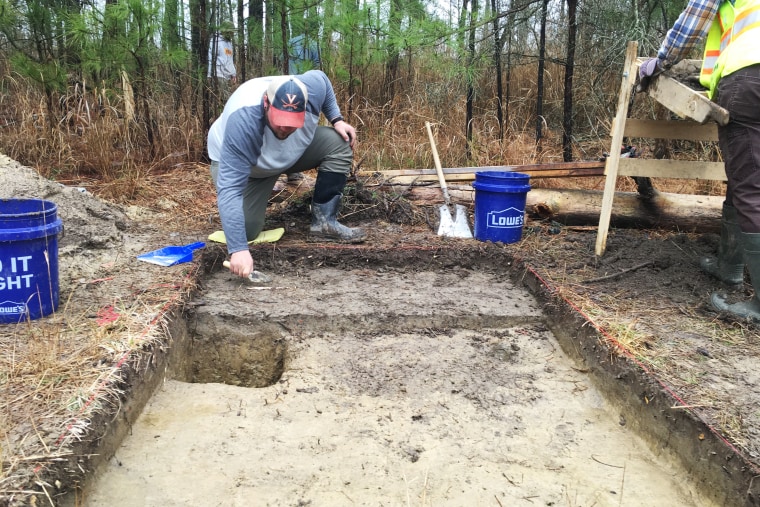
x=396 y=410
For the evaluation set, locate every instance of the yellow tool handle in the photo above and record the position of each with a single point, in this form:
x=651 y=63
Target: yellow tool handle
x=438 y=169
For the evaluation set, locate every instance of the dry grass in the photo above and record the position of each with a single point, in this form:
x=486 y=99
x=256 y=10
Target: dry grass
x=87 y=139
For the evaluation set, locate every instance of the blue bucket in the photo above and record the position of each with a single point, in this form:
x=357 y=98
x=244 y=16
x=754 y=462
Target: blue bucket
x=500 y=205
x=28 y=259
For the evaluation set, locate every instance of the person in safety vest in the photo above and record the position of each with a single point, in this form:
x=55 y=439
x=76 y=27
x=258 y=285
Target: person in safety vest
x=731 y=74
x=268 y=128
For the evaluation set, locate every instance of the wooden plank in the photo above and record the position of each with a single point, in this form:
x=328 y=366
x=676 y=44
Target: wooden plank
x=681 y=169
x=611 y=169
x=657 y=129
x=557 y=170
x=471 y=170
x=685 y=102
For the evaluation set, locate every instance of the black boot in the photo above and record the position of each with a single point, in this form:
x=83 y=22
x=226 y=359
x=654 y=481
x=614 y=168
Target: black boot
x=728 y=267
x=324 y=207
x=745 y=309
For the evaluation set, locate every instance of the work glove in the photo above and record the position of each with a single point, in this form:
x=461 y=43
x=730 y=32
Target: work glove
x=647 y=71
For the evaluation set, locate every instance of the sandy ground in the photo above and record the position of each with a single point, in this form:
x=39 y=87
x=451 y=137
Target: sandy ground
x=395 y=411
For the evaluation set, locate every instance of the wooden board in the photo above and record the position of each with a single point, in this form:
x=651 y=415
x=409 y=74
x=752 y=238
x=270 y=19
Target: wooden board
x=658 y=129
x=682 y=169
x=553 y=170
x=611 y=169
x=684 y=101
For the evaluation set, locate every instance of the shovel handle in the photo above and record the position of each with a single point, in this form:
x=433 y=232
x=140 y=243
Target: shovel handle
x=437 y=161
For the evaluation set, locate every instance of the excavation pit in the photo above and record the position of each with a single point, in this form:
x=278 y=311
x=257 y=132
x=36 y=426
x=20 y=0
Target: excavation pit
x=242 y=354
x=420 y=384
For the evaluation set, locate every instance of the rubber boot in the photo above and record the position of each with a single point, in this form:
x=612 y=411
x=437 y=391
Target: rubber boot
x=748 y=310
x=325 y=205
x=728 y=267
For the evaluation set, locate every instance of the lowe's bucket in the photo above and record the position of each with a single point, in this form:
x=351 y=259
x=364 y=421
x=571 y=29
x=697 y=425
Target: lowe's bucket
x=28 y=259
x=500 y=205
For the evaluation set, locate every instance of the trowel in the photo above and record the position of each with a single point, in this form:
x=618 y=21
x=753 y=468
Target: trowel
x=255 y=277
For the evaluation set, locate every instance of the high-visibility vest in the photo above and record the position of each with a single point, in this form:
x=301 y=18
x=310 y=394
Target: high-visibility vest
x=733 y=42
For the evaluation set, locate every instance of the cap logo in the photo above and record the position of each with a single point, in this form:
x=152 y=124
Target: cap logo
x=291 y=104
x=288 y=98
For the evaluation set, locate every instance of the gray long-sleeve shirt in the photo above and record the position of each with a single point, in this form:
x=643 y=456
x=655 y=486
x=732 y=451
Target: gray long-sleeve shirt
x=245 y=146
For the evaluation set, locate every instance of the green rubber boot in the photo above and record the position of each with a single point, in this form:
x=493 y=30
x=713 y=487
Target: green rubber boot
x=747 y=310
x=728 y=267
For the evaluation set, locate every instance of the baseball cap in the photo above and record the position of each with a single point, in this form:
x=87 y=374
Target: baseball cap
x=287 y=97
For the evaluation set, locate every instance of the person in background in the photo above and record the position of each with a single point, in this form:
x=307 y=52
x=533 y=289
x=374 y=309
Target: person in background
x=731 y=74
x=303 y=51
x=221 y=68
x=303 y=55
x=268 y=128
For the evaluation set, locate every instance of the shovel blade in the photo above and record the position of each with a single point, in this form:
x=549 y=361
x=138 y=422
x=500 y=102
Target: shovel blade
x=456 y=227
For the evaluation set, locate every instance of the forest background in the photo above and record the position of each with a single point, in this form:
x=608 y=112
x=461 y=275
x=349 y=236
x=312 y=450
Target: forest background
x=115 y=90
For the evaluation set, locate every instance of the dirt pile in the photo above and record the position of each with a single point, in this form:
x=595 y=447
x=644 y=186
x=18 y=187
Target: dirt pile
x=91 y=225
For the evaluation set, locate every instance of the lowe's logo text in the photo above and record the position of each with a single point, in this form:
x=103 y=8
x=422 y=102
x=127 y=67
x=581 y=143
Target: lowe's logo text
x=12 y=308
x=505 y=219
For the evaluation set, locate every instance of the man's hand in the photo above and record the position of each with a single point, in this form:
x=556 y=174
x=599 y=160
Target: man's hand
x=346 y=131
x=241 y=263
x=647 y=71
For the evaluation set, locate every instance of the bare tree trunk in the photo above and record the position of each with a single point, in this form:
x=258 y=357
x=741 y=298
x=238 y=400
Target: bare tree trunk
x=241 y=46
x=497 y=47
x=391 y=65
x=470 y=70
x=567 y=121
x=268 y=46
x=327 y=35
x=351 y=70
x=284 y=37
x=199 y=39
x=540 y=80
x=256 y=32
x=508 y=38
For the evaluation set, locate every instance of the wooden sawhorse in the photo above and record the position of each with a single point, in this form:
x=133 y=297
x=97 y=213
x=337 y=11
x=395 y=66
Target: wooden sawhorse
x=703 y=117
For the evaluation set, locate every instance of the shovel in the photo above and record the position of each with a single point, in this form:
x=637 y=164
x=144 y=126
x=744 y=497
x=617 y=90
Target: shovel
x=456 y=227
x=171 y=255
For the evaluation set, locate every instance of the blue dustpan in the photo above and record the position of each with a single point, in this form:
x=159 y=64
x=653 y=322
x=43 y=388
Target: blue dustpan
x=171 y=255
